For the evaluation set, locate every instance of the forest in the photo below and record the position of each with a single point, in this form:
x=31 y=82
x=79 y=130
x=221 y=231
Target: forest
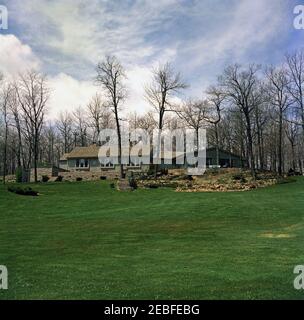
x=251 y=110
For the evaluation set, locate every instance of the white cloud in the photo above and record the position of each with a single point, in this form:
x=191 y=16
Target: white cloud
x=248 y=26
x=199 y=37
x=138 y=78
x=68 y=93
x=15 y=56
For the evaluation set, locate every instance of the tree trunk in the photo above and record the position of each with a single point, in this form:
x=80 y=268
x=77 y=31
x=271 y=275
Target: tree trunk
x=119 y=144
x=217 y=145
x=280 y=160
x=5 y=152
x=250 y=146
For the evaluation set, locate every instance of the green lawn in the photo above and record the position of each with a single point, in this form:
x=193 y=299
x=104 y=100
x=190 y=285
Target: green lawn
x=87 y=241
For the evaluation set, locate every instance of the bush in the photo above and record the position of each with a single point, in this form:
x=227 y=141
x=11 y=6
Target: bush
x=103 y=178
x=153 y=186
x=19 y=175
x=112 y=185
x=59 y=179
x=45 y=178
x=151 y=171
x=27 y=191
x=132 y=182
x=164 y=172
x=78 y=179
x=239 y=177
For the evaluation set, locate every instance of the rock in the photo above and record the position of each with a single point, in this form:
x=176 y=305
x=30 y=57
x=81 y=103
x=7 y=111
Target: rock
x=123 y=185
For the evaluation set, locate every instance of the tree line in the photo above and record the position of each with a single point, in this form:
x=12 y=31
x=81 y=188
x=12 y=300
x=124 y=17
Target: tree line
x=254 y=111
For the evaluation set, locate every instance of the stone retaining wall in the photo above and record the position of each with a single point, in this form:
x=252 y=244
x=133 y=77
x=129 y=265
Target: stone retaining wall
x=88 y=176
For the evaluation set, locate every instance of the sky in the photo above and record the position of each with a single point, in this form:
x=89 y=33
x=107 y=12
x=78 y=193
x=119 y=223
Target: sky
x=65 y=39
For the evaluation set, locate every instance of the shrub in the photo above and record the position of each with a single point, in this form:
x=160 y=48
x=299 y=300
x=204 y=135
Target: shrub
x=151 y=171
x=59 y=179
x=164 y=172
x=78 y=179
x=27 y=191
x=153 y=186
x=132 y=182
x=239 y=177
x=103 y=178
x=112 y=185
x=170 y=185
x=19 y=175
x=45 y=178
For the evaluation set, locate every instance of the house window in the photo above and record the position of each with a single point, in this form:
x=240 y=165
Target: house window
x=107 y=165
x=136 y=162
x=82 y=163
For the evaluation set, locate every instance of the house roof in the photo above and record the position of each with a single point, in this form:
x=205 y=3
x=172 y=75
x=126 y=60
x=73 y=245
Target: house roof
x=92 y=151
x=63 y=157
x=84 y=152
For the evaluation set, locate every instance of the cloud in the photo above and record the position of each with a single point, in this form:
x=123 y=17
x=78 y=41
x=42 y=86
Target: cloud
x=199 y=37
x=68 y=93
x=247 y=26
x=15 y=56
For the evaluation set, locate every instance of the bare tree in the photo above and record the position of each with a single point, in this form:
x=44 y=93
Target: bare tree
x=81 y=126
x=216 y=98
x=146 y=122
x=65 y=126
x=280 y=98
x=164 y=85
x=239 y=86
x=110 y=76
x=99 y=116
x=292 y=132
x=295 y=71
x=5 y=94
x=14 y=108
x=193 y=113
x=33 y=93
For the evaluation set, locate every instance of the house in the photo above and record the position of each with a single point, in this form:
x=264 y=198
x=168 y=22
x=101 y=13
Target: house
x=85 y=159
x=226 y=159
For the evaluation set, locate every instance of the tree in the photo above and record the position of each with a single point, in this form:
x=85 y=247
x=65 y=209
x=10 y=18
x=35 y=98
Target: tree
x=295 y=72
x=279 y=96
x=14 y=108
x=239 y=86
x=5 y=93
x=99 y=116
x=292 y=132
x=146 y=122
x=81 y=126
x=164 y=85
x=33 y=94
x=216 y=98
x=193 y=113
x=65 y=127
x=110 y=76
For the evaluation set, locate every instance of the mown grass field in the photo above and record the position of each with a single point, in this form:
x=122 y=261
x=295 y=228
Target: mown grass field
x=88 y=241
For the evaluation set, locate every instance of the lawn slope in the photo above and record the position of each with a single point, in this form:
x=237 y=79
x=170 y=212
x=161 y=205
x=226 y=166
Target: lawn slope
x=86 y=240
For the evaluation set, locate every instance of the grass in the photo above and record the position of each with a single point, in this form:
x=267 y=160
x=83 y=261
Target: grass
x=86 y=241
